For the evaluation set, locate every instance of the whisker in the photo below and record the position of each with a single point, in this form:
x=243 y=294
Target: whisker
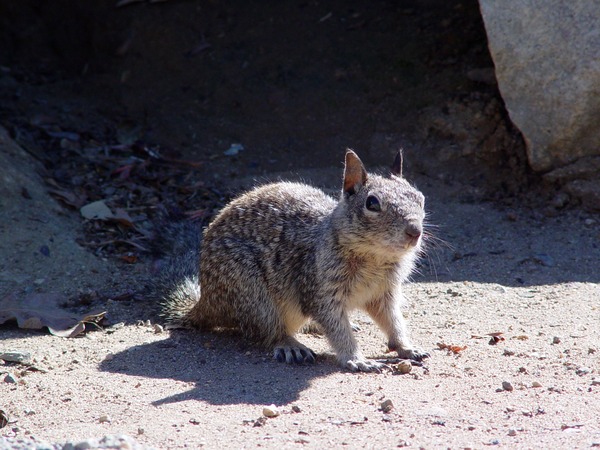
x=431 y=250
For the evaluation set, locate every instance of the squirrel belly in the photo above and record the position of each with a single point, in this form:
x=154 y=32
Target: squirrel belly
x=284 y=253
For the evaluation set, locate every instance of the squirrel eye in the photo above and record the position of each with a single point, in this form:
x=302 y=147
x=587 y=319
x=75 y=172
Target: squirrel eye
x=373 y=204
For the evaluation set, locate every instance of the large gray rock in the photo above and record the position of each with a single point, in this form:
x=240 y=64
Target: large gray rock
x=547 y=58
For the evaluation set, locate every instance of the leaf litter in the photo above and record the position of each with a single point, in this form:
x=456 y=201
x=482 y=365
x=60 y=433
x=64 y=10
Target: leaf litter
x=38 y=310
x=119 y=186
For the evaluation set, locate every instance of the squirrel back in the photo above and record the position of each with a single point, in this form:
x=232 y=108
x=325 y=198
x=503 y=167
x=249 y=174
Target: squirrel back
x=284 y=253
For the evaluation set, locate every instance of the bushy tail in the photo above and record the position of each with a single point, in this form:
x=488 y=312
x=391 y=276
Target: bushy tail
x=176 y=285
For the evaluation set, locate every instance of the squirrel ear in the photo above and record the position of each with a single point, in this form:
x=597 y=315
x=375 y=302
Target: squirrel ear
x=397 y=166
x=355 y=175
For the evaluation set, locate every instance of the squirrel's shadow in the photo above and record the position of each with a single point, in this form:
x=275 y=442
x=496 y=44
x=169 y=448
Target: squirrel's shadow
x=223 y=371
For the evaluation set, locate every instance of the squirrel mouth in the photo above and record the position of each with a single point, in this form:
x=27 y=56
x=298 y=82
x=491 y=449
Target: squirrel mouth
x=410 y=242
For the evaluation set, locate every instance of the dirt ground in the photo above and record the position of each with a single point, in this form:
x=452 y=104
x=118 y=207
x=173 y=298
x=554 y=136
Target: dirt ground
x=511 y=280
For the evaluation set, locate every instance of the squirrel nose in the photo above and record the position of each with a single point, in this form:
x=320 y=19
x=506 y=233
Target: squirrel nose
x=413 y=230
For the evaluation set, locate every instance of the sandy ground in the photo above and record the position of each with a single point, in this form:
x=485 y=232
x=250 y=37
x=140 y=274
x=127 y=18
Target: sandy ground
x=515 y=272
x=295 y=84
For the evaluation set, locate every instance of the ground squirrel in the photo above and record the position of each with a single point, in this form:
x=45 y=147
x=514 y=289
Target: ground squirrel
x=284 y=253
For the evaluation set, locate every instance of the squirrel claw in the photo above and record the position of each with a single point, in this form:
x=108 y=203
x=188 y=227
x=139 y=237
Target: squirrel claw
x=355 y=327
x=414 y=354
x=291 y=355
x=365 y=365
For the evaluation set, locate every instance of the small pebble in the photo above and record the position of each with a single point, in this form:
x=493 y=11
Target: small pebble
x=556 y=340
x=583 y=370
x=536 y=384
x=234 y=149
x=104 y=419
x=261 y=421
x=10 y=378
x=508 y=352
x=403 y=367
x=386 y=406
x=595 y=381
x=158 y=328
x=499 y=288
x=560 y=200
x=512 y=432
x=507 y=386
x=87 y=444
x=16 y=356
x=296 y=409
x=270 y=411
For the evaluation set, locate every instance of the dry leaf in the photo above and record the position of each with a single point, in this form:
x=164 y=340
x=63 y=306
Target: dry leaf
x=451 y=348
x=96 y=210
x=129 y=259
x=68 y=198
x=124 y=172
x=36 y=311
x=122 y=217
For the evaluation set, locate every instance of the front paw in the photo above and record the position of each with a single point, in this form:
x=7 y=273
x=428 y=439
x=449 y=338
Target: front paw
x=363 y=365
x=412 y=353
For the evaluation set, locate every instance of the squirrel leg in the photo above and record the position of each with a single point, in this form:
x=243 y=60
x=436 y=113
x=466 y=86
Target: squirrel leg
x=262 y=320
x=388 y=316
x=334 y=322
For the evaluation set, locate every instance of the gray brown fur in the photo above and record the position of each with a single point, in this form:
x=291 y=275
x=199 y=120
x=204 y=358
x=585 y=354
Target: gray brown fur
x=284 y=253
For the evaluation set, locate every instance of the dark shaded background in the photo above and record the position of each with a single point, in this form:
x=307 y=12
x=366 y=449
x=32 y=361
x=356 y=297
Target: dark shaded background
x=295 y=82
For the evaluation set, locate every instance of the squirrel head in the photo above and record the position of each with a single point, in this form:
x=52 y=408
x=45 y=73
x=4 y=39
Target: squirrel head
x=382 y=215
